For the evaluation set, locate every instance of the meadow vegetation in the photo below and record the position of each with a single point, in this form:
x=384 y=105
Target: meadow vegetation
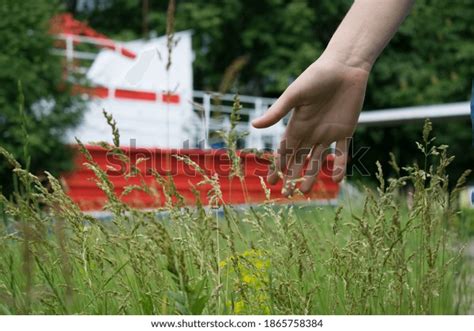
x=381 y=256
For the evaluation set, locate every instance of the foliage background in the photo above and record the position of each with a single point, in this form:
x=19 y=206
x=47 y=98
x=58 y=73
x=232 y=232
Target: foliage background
x=25 y=55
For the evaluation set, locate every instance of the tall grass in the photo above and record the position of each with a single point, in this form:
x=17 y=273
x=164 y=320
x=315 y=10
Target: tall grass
x=382 y=257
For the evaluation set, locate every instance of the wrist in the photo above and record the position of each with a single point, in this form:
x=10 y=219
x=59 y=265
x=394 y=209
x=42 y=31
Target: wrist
x=350 y=58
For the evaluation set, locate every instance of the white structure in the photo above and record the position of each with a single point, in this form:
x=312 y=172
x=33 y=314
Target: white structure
x=134 y=90
x=152 y=105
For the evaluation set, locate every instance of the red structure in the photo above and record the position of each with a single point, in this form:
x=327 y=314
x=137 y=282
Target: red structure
x=66 y=24
x=82 y=188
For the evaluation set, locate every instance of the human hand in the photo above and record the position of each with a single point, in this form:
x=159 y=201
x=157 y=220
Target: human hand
x=327 y=98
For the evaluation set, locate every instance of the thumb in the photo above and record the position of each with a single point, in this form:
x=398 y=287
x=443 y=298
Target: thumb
x=275 y=113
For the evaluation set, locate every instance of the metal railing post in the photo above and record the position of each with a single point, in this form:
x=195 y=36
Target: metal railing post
x=207 y=117
x=258 y=133
x=69 y=49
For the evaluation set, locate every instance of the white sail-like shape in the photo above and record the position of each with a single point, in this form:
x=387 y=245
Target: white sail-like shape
x=152 y=105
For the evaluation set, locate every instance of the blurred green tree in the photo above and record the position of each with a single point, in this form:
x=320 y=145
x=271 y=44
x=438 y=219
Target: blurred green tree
x=25 y=55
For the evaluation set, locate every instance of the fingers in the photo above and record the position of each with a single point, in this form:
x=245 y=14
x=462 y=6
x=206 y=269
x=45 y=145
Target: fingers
x=294 y=159
x=294 y=170
x=276 y=112
x=340 y=160
x=280 y=167
x=315 y=162
x=274 y=174
x=284 y=153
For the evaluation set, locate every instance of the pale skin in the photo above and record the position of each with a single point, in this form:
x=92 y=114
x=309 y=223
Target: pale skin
x=327 y=97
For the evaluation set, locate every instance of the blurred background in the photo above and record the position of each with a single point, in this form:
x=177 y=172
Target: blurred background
x=255 y=48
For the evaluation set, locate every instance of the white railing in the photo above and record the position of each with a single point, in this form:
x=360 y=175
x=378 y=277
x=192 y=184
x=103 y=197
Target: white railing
x=215 y=110
x=252 y=107
x=71 y=53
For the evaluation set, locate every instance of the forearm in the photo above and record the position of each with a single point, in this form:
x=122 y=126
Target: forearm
x=365 y=31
